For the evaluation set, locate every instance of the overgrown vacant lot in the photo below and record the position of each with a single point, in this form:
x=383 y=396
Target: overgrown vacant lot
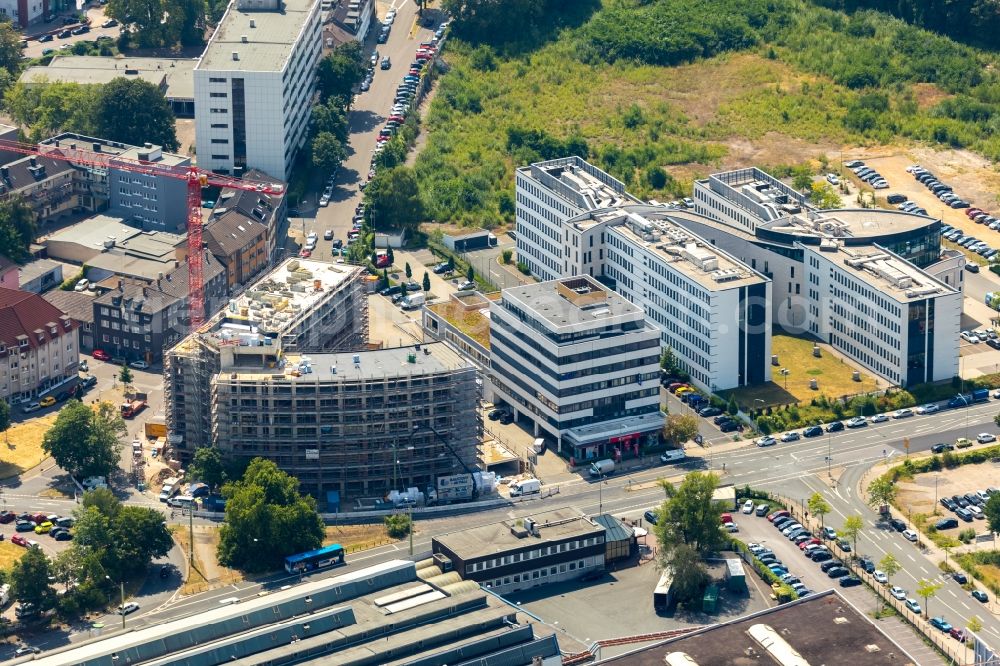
x=735 y=82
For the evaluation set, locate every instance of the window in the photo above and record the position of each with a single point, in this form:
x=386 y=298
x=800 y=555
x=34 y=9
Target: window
x=220 y=157
x=220 y=140
x=215 y=79
x=220 y=125
x=218 y=94
x=220 y=110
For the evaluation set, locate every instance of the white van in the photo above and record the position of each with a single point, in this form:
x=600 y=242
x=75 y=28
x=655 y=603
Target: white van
x=525 y=487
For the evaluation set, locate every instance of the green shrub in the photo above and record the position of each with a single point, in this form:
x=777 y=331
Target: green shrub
x=398 y=525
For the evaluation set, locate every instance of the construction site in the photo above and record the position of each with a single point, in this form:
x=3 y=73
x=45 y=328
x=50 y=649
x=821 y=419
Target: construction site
x=285 y=372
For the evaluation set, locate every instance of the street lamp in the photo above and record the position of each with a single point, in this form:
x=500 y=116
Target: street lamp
x=121 y=609
x=395 y=466
x=600 y=494
x=784 y=373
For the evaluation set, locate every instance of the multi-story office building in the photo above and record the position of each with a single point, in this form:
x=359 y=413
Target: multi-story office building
x=548 y=547
x=580 y=362
x=548 y=194
x=253 y=86
x=710 y=308
x=149 y=202
x=39 y=350
x=264 y=378
x=883 y=312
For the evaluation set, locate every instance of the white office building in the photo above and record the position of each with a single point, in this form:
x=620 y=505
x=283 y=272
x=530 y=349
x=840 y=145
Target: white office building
x=580 y=362
x=711 y=309
x=548 y=194
x=254 y=84
x=883 y=312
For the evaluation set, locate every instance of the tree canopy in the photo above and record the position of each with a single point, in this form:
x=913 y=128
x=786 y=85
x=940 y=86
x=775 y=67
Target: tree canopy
x=135 y=111
x=17 y=228
x=394 y=198
x=266 y=519
x=160 y=22
x=29 y=580
x=679 y=428
x=208 y=467
x=688 y=528
x=340 y=71
x=123 y=539
x=84 y=441
x=328 y=152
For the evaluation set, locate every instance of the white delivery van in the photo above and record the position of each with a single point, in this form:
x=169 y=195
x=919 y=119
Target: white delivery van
x=672 y=456
x=538 y=446
x=602 y=468
x=525 y=487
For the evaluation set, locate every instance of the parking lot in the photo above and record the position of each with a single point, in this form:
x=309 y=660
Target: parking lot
x=582 y=610
x=36 y=49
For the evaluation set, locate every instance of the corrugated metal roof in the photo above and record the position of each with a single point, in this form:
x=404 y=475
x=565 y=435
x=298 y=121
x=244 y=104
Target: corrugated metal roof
x=615 y=530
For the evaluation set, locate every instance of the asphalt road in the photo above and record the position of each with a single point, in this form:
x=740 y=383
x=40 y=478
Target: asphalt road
x=368 y=113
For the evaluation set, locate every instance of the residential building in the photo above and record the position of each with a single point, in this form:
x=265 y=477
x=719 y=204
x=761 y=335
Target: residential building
x=24 y=13
x=38 y=276
x=711 y=309
x=822 y=628
x=281 y=373
x=580 y=362
x=243 y=230
x=394 y=612
x=140 y=319
x=147 y=201
x=521 y=553
x=173 y=76
x=45 y=184
x=254 y=84
x=548 y=194
x=79 y=306
x=354 y=17
x=39 y=351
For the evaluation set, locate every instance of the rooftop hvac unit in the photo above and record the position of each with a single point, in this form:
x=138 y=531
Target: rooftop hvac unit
x=726 y=275
x=922 y=291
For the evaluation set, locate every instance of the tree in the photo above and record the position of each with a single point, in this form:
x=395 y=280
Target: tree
x=141 y=18
x=125 y=377
x=122 y=539
x=996 y=419
x=506 y=254
x=17 y=228
x=688 y=529
x=103 y=500
x=819 y=507
x=403 y=290
x=668 y=360
x=185 y=22
x=266 y=519
x=731 y=407
x=208 y=467
x=451 y=263
x=470 y=274
x=340 y=71
x=890 y=565
x=396 y=196
x=690 y=575
x=135 y=111
x=398 y=525
x=802 y=177
x=391 y=256
x=331 y=118
x=328 y=152
x=408 y=271
x=824 y=196
x=992 y=511
x=881 y=492
x=974 y=625
x=927 y=589
x=85 y=442
x=853 y=524
x=29 y=580
x=5 y=419
x=426 y=284
x=679 y=428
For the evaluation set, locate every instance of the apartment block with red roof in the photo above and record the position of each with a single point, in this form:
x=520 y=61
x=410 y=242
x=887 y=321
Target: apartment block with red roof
x=39 y=347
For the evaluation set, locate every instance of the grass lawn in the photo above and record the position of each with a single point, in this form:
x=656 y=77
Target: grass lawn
x=832 y=373
x=22 y=449
x=357 y=537
x=9 y=554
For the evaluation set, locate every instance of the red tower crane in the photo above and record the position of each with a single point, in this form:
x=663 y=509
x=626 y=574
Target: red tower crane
x=196 y=179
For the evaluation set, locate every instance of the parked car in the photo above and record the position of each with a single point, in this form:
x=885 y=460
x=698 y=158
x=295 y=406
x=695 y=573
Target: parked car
x=897 y=592
x=910 y=535
x=790 y=436
x=897 y=524
x=812 y=431
x=940 y=623
x=880 y=577
x=128 y=608
x=101 y=355
x=912 y=605
x=980 y=596
x=857 y=422
x=836 y=426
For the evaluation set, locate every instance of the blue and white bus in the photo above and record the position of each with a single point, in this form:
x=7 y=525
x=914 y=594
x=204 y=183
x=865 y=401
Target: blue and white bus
x=326 y=557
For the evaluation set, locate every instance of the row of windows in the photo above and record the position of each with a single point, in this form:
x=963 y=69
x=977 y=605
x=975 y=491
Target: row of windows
x=544 y=551
x=538 y=574
x=568 y=359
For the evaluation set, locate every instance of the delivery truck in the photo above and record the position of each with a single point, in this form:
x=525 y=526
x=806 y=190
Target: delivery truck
x=413 y=301
x=525 y=487
x=602 y=468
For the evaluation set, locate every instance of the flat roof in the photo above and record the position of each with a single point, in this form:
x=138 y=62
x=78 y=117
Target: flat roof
x=150 y=153
x=580 y=183
x=104 y=232
x=269 y=43
x=36 y=268
x=850 y=222
x=572 y=301
x=396 y=362
x=178 y=71
x=554 y=525
x=888 y=273
x=652 y=228
x=469 y=314
x=823 y=628
x=275 y=301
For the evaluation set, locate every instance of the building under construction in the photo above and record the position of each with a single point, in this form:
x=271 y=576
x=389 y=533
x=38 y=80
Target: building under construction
x=284 y=373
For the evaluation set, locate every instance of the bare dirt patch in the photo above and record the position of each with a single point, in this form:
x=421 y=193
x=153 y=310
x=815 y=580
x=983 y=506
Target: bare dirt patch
x=21 y=448
x=928 y=95
x=358 y=537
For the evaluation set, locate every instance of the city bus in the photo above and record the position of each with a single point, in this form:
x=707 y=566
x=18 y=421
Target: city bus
x=315 y=560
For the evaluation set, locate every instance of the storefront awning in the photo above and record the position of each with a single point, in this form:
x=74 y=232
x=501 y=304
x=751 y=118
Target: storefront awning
x=618 y=430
